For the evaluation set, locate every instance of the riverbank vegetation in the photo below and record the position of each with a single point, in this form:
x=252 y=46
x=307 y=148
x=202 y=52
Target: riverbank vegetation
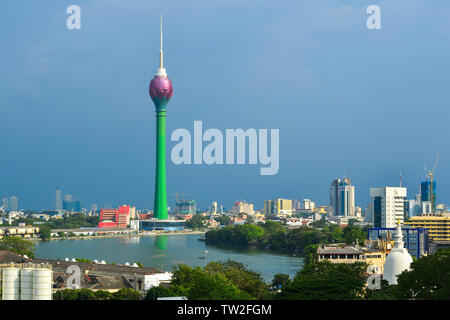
x=229 y=280
x=275 y=236
x=426 y=280
x=18 y=245
x=86 y=294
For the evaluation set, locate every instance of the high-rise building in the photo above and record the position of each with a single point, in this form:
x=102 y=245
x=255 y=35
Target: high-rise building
x=388 y=206
x=296 y=204
x=268 y=207
x=242 y=207
x=161 y=91
x=184 y=207
x=412 y=208
x=70 y=204
x=426 y=207
x=368 y=213
x=5 y=204
x=282 y=207
x=342 y=198
x=58 y=199
x=426 y=194
x=213 y=208
x=14 y=203
x=307 y=205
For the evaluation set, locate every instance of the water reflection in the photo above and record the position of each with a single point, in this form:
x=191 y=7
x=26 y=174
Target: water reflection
x=165 y=251
x=161 y=242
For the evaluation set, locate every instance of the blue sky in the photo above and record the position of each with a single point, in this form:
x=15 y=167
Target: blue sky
x=75 y=110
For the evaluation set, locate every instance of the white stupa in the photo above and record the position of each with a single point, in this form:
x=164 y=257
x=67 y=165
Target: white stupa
x=398 y=260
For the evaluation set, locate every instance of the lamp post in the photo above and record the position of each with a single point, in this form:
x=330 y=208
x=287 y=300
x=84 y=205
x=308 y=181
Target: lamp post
x=206 y=257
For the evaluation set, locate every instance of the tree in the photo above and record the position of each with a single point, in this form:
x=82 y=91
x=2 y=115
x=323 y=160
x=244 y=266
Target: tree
x=196 y=222
x=327 y=281
x=224 y=220
x=18 y=245
x=243 y=278
x=280 y=281
x=322 y=223
x=198 y=284
x=102 y=295
x=353 y=234
x=428 y=278
x=126 y=294
x=156 y=292
x=45 y=232
x=250 y=220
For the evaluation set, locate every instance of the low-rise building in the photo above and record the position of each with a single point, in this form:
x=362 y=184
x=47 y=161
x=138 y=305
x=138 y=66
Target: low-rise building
x=91 y=232
x=19 y=231
x=94 y=275
x=350 y=254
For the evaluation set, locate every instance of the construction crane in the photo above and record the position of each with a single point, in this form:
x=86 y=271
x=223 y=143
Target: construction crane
x=180 y=194
x=430 y=175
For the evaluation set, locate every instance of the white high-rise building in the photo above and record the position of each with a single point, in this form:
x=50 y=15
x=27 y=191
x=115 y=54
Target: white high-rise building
x=413 y=208
x=388 y=206
x=58 y=200
x=342 y=198
x=5 y=204
x=426 y=207
x=14 y=203
x=242 y=207
x=308 y=204
x=213 y=208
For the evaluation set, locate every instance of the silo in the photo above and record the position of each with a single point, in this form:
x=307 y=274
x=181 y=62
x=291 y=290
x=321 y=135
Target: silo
x=42 y=284
x=26 y=283
x=10 y=283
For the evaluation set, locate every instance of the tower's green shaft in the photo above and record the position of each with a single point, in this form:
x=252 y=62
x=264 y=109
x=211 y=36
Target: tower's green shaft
x=160 y=210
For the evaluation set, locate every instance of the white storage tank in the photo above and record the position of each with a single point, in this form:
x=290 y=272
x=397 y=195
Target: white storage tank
x=42 y=284
x=10 y=284
x=26 y=283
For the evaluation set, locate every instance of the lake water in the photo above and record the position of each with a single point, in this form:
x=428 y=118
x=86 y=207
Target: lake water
x=165 y=251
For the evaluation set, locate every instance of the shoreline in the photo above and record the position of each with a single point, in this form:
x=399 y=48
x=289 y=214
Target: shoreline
x=122 y=235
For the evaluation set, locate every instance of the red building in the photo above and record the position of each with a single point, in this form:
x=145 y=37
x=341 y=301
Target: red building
x=115 y=218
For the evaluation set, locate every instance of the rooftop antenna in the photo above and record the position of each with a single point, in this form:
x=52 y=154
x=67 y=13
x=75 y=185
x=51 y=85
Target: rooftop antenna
x=161 y=51
x=400 y=179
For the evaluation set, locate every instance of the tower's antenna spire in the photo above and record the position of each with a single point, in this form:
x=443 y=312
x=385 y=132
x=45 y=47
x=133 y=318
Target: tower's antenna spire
x=161 y=51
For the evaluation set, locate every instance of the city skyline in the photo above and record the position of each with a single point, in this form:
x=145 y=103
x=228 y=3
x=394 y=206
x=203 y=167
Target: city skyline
x=80 y=120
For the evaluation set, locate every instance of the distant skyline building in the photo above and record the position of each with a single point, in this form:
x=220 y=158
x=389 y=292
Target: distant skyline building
x=388 y=206
x=296 y=204
x=161 y=91
x=242 y=207
x=342 y=198
x=268 y=207
x=70 y=204
x=213 y=208
x=58 y=199
x=412 y=208
x=14 y=203
x=5 y=204
x=426 y=194
x=184 y=207
x=307 y=204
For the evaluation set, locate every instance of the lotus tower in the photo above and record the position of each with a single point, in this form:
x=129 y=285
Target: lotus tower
x=161 y=91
